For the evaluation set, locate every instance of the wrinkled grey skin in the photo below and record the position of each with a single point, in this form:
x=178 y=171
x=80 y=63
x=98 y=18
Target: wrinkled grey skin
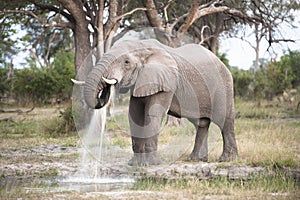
x=188 y=81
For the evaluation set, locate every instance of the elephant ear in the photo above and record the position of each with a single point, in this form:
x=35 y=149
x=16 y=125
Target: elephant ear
x=155 y=78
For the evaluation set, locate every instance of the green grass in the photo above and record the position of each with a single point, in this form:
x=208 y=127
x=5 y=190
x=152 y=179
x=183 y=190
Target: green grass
x=19 y=129
x=260 y=186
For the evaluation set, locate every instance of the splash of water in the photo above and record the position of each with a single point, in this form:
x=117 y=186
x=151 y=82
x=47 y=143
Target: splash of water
x=92 y=159
x=92 y=144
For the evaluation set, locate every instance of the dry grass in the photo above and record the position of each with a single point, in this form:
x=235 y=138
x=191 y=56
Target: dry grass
x=37 y=114
x=266 y=135
x=269 y=142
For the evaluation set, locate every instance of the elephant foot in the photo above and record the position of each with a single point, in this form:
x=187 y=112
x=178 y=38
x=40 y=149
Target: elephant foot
x=195 y=157
x=227 y=157
x=144 y=159
x=145 y=151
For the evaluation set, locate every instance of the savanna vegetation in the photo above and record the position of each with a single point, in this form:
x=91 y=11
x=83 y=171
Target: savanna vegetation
x=35 y=97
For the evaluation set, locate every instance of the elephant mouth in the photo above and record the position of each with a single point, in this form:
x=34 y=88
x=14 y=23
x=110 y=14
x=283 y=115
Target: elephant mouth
x=103 y=97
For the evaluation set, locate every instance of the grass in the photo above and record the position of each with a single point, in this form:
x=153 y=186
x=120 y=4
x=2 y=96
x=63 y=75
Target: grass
x=269 y=140
x=262 y=186
x=267 y=135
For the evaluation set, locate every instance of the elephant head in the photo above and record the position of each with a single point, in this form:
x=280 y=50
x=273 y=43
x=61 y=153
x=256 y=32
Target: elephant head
x=138 y=65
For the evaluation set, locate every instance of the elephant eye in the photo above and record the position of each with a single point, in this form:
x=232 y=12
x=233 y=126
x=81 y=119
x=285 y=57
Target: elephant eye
x=126 y=62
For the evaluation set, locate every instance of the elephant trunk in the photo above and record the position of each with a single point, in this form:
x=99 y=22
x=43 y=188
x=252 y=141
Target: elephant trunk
x=96 y=91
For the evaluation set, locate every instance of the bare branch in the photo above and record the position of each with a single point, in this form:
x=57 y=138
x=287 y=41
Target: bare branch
x=203 y=39
x=152 y=13
x=178 y=20
x=26 y=12
x=250 y=43
x=129 y=13
x=53 y=8
x=166 y=12
x=241 y=15
x=190 y=18
x=61 y=25
x=280 y=40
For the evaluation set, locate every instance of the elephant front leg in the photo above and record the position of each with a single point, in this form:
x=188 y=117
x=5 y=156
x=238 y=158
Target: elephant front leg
x=145 y=151
x=145 y=117
x=144 y=141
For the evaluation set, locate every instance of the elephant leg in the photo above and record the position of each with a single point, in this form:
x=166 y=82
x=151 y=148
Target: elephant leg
x=145 y=151
x=200 y=151
x=145 y=117
x=230 y=151
x=204 y=149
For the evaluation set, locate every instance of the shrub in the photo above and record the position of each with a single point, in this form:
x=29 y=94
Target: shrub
x=241 y=81
x=62 y=125
x=42 y=85
x=4 y=83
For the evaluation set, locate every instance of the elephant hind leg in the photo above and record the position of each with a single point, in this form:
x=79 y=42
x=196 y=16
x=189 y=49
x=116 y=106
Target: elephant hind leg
x=200 y=150
x=230 y=151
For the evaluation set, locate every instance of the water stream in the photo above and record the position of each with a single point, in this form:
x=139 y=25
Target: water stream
x=91 y=159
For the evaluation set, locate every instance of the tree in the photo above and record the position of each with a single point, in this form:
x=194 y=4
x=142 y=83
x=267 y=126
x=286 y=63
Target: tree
x=274 y=13
x=44 y=43
x=95 y=23
x=7 y=47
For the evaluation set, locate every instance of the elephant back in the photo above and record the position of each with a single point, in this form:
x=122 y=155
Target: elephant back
x=206 y=81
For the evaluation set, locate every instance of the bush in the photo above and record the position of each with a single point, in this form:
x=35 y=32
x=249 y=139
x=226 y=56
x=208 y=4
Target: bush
x=43 y=85
x=63 y=70
x=241 y=82
x=4 y=83
x=270 y=80
x=32 y=85
x=62 y=125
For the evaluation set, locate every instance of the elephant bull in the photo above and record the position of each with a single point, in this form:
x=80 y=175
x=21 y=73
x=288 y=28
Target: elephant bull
x=188 y=81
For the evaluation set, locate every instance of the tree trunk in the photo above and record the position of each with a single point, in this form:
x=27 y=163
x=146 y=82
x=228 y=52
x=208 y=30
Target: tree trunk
x=83 y=63
x=256 y=48
x=82 y=51
x=213 y=44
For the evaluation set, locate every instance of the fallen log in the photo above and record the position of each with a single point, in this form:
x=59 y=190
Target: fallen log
x=9 y=119
x=17 y=111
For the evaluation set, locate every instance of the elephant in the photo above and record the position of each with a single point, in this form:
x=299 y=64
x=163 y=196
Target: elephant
x=186 y=82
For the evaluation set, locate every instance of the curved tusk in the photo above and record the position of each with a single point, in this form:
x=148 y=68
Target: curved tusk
x=110 y=81
x=77 y=82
